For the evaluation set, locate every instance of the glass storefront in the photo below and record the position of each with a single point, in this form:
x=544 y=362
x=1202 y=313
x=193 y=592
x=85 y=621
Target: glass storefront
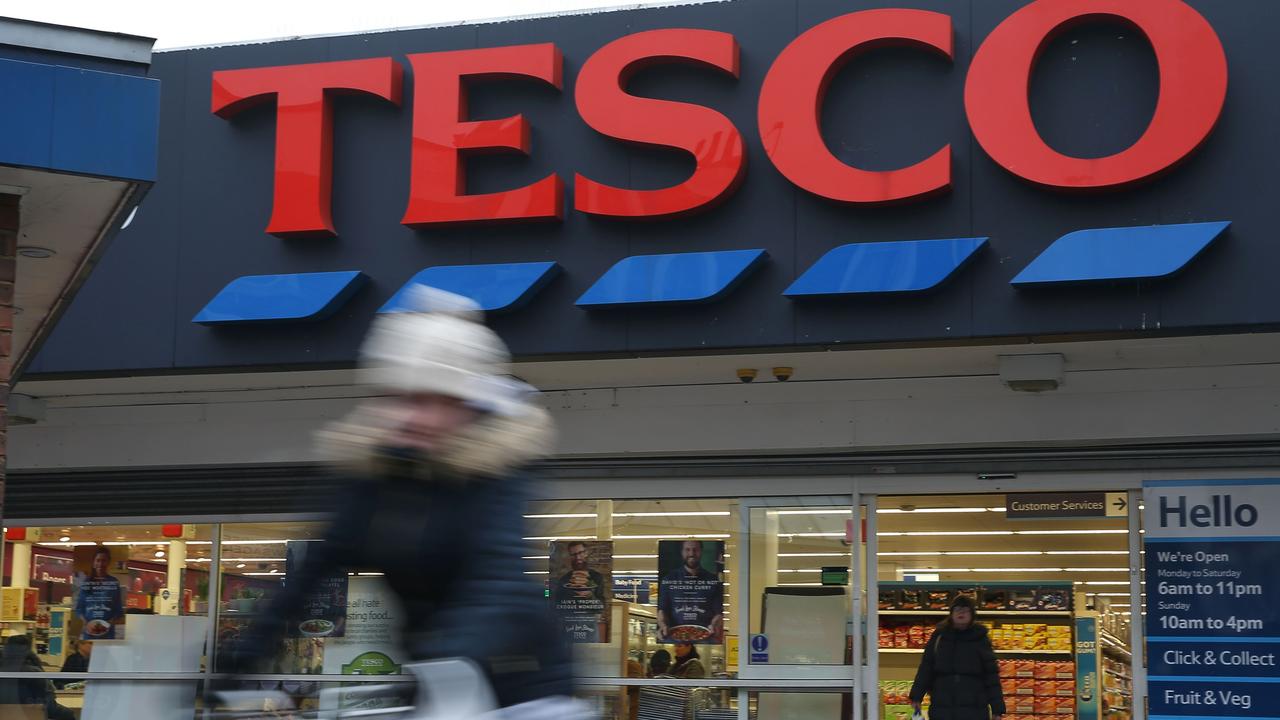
x=719 y=606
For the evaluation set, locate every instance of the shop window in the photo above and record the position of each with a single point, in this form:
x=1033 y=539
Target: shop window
x=1047 y=587
x=670 y=589
x=800 y=576
x=104 y=598
x=256 y=560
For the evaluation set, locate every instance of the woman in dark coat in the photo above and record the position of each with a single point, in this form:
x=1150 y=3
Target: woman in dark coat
x=437 y=504
x=959 y=671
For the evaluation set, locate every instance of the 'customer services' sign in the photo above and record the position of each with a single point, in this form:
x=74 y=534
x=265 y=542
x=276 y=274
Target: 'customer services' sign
x=1213 y=598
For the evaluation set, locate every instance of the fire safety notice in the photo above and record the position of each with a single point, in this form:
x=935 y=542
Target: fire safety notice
x=1213 y=598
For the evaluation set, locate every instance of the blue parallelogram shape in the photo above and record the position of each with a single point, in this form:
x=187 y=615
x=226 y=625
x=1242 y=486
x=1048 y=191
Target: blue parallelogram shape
x=495 y=287
x=281 y=298
x=671 y=279
x=1127 y=253
x=884 y=267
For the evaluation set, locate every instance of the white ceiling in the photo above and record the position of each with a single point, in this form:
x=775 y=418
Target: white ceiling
x=69 y=215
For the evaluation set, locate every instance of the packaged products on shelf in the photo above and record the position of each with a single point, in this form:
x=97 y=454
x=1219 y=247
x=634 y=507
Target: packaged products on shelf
x=938 y=599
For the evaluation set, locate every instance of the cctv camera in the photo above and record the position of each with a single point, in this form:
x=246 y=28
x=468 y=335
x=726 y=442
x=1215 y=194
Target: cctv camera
x=746 y=375
x=783 y=374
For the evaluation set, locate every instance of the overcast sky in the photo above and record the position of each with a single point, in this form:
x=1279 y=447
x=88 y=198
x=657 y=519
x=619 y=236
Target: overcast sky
x=178 y=23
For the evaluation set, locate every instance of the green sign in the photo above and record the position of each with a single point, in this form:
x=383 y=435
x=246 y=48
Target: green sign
x=371 y=663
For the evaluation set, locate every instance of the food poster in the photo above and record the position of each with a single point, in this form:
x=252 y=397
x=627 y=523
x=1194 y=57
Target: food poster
x=370 y=646
x=581 y=581
x=691 y=591
x=323 y=610
x=101 y=580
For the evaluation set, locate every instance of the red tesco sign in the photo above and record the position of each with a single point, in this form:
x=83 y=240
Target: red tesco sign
x=1190 y=57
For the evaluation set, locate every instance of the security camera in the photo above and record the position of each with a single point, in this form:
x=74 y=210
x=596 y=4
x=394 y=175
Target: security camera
x=746 y=375
x=783 y=374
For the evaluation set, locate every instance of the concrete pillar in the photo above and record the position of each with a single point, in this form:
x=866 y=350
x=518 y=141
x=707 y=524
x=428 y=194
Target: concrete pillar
x=604 y=519
x=177 y=566
x=21 y=565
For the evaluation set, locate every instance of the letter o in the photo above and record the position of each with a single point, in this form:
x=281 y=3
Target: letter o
x=1193 y=86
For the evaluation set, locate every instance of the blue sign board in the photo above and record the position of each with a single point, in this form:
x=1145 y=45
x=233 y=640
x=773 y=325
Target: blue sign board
x=1088 y=685
x=1213 y=598
x=759 y=649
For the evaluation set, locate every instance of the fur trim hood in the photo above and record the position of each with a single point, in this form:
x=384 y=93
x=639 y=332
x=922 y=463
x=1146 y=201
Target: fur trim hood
x=495 y=445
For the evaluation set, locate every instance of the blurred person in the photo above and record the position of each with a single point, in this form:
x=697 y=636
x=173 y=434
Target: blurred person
x=660 y=664
x=436 y=504
x=77 y=661
x=958 y=671
x=19 y=657
x=688 y=663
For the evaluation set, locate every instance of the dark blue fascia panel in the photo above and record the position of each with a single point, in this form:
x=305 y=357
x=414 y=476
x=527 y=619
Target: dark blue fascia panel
x=280 y=298
x=26 y=113
x=1125 y=253
x=82 y=122
x=672 y=278
x=885 y=267
x=498 y=287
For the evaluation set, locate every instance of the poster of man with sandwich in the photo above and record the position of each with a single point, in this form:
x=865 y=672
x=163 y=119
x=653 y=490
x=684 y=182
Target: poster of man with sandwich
x=581 y=580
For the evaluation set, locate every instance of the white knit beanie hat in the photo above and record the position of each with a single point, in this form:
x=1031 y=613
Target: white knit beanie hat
x=439 y=344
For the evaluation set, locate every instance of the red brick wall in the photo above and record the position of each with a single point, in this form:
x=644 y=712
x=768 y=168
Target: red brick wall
x=8 y=252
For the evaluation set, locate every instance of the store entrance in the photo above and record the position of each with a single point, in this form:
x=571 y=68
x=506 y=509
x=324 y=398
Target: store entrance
x=1049 y=574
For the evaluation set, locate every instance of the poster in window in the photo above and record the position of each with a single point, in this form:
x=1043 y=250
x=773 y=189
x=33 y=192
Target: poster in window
x=691 y=591
x=581 y=580
x=324 y=606
x=101 y=579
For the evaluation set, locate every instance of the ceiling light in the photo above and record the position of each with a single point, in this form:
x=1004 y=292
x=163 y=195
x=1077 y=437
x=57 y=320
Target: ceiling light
x=159 y=553
x=709 y=536
x=996 y=552
x=815 y=554
x=240 y=565
x=1086 y=552
x=65 y=538
x=1072 y=532
x=810 y=534
x=560 y=516
x=942 y=533
x=916 y=571
x=36 y=252
x=691 y=513
x=915 y=511
x=827 y=511
x=905 y=554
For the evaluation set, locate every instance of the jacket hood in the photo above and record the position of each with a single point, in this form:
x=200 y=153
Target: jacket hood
x=494 y=445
